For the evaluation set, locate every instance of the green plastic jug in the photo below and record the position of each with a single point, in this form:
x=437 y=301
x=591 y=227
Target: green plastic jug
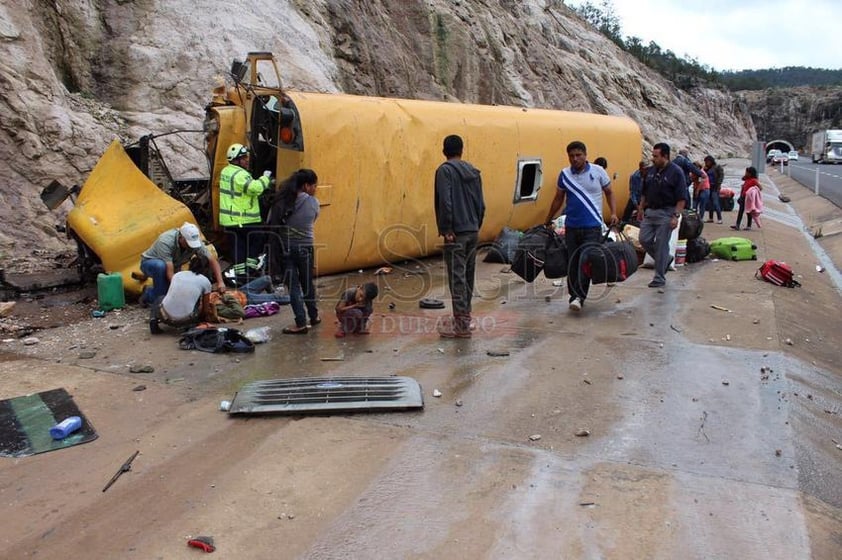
x=110 y=291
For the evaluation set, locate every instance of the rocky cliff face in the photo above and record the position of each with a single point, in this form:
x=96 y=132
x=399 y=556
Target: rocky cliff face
x=75 y=74
x=793 y=114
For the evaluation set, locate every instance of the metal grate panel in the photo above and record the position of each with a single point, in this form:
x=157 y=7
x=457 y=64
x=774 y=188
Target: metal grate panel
x=328 y=394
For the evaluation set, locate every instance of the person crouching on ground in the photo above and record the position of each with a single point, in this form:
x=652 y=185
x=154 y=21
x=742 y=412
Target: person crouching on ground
x=181 y=307
x=354 y=308
x=171 y=250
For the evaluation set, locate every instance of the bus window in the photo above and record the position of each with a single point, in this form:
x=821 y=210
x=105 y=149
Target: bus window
x=529 y=175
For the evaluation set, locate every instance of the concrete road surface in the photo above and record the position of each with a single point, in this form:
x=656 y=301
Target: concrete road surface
x=712 y=432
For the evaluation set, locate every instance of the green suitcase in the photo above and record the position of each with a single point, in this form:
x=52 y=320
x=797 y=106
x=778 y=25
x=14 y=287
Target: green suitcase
x=734 y=249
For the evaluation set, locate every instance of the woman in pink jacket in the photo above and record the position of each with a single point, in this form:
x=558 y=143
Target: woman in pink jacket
x=754 y=204
x=749 y=181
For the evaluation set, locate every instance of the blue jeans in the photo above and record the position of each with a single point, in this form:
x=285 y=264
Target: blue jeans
x=715 y=205
x=577 y=241
x=156 y=269
x=655 y=232
x=255 y=292
x=701 y=203
x=298 y=277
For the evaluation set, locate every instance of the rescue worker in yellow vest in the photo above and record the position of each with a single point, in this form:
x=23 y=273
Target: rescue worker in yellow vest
x=239 y=208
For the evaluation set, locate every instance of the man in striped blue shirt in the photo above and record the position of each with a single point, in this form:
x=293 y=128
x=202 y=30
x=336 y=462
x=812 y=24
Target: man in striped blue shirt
x=582 y=186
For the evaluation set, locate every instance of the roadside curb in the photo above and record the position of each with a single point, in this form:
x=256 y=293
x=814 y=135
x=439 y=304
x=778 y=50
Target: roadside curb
x=821 y=222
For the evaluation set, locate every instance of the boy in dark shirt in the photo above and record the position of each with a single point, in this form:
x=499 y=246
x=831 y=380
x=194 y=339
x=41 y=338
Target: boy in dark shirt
x=354 y=308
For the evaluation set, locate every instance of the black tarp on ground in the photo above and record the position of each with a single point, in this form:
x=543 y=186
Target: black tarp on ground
x=25 y=423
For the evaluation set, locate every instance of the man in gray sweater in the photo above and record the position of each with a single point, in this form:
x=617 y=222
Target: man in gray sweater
x=460 y=209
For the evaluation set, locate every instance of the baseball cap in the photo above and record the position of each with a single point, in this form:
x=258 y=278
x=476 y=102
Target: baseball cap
x=190 y=233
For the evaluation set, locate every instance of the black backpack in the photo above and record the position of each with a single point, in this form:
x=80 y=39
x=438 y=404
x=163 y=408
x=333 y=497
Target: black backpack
x=697 y=249
x=691 y=225
x=215 y=340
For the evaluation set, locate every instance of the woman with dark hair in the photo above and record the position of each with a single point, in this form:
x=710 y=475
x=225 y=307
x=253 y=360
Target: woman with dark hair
x=291 y=218
x=749 y=181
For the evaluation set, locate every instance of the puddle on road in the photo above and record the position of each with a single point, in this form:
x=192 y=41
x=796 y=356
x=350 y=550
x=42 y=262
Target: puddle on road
x=675 y=411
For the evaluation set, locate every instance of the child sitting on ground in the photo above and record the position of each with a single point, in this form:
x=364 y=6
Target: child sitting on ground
x=354 y=308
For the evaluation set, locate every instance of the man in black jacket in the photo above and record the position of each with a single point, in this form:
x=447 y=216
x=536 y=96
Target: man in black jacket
x=460 y=209
x=660 y=207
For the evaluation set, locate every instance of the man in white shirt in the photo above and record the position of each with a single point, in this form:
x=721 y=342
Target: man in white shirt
x=182 y=305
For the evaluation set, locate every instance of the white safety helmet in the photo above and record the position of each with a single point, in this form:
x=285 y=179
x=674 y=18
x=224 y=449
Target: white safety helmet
x=236 y=151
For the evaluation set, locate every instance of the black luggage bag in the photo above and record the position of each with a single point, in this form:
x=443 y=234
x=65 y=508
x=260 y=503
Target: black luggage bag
x=529 y=258
x=691 y=225
x=556 y=258
x=503 y=249
x=611 y=261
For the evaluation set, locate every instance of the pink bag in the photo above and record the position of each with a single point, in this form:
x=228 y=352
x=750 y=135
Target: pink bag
x=261 y=309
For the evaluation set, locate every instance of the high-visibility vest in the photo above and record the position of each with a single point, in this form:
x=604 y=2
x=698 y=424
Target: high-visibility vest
x=238 y=196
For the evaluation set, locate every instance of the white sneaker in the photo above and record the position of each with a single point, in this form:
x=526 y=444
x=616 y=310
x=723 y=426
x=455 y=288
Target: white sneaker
x=576 y=305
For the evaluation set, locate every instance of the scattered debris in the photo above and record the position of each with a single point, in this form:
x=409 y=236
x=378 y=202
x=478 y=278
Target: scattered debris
x=430 y=303
x=458 y=402
x=784 y=198
x=587 y=504
x=702 y=425
x=586 y=381
x=392 y=306
x=583 y=433
x=720 y=308
x=224 y=406
x=778 y=452
x=534 y=437
x=498 y=353
x=755 y=322
x=124 y=468
x=6 y=308
x=558 y=283
x=728 y=337
x=383 y=270
x=620 y=376
x=726 y=382
x=819 y=268
x=548 y=299
x=86 y=354
x=31 y=340
x=140 y=388
x=436 y=393
x=140 y=369
x=340 y=358
x=203 y=543
x=676 y=329
x=788 y=342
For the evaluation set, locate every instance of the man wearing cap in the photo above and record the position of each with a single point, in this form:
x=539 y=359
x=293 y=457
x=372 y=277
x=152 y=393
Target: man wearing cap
x=168 y=254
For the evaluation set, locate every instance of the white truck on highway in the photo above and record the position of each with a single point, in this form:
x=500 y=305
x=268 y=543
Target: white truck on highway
x=826 y=146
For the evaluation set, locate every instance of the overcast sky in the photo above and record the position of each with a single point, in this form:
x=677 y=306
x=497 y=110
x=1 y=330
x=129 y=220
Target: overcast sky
x=738 y=34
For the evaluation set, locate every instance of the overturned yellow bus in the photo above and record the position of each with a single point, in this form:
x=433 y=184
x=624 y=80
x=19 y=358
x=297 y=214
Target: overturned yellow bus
x=375 y=159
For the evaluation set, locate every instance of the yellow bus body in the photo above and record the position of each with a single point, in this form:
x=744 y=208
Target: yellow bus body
x=119 y=213
x=376 y=160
